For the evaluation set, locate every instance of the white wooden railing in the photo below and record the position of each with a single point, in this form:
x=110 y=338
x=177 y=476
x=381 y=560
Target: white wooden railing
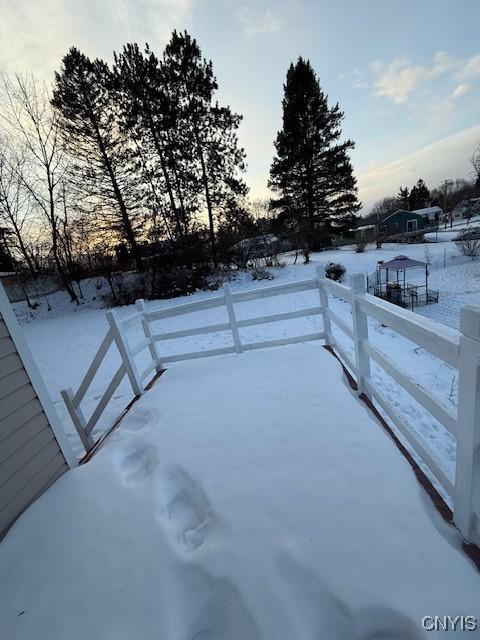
x=459 y=349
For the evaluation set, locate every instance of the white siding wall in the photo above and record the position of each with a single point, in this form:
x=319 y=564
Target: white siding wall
x=30 y=455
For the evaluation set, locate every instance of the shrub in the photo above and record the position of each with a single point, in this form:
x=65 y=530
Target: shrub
x=469 y=244
x=165 y=282
x=261 y=274
x=125 y=288
x=335 y=271
x=216 y=279
x=360 y=246
x=177 y=281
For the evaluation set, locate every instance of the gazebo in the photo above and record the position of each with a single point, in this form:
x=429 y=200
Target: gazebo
x=391 y=283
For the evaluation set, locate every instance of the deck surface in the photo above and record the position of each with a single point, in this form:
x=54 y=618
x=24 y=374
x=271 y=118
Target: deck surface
x=250 y=496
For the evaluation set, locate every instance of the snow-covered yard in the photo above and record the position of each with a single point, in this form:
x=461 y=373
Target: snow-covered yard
x=244 y=497
x=65 y=340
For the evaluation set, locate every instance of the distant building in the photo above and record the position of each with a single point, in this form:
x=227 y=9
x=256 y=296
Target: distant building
x=433 y=214
x=258 y=247
x=380 y=226
x=466 y=209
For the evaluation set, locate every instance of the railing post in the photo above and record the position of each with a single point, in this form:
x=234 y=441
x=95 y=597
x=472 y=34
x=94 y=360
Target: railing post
x=141 y=306
x=360 y=332
x=125 y=354
x=78 y=419
x=327 y=325
x=231 y=316
x=467 y=469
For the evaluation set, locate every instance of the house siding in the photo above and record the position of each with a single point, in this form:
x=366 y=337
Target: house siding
x=398 y=222
x=30 y=456
x=394 y=224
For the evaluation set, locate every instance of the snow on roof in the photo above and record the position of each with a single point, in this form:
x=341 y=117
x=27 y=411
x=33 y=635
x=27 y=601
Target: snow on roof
x=366 y=226
x=425 y=210
x=402 y=262
x=264 y=240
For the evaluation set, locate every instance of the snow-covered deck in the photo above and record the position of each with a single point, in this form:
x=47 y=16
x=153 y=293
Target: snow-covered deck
x=244 y=496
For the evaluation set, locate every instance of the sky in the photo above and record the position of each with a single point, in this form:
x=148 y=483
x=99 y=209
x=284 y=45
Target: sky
x=405 y=72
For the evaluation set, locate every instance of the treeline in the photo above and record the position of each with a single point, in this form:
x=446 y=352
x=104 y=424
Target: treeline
x=447 y=195
x=135 y=164
x=133 y=155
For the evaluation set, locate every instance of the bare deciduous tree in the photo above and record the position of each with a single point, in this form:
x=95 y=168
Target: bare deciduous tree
x=15 y=205
x=33 y=128
x=475 y=160
x=469 y=244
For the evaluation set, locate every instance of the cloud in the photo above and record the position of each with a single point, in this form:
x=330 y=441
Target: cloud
x=358 y=79
x=460 y=90
x=448 y=157
x=35 y=35
x=255 y=24
x=471 y=67
x=442 y=62
x=398 y=79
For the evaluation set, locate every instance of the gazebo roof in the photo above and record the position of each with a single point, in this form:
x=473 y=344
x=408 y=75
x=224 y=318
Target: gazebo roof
x=399 y=263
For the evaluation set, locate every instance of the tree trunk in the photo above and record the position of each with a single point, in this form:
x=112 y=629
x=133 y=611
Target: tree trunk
x=182 y=233
x=54 y=229
x=126 y=222
x=23 y=249
x=163 y=165
x=211 y=228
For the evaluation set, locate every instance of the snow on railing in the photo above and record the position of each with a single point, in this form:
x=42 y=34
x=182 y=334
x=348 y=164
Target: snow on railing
x=459 y=349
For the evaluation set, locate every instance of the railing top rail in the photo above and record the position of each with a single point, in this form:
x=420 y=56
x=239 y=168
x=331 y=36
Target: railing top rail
x=336 y=288
x=275 y=290
x=438 y=339
x=181 y=309
x=217 y=301
x=129 y=320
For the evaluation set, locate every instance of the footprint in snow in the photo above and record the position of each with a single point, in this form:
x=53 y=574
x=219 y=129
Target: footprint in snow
x=185 y=509
x=224 y=615
x=138 y=419
x=137 y=462
x=326 y=615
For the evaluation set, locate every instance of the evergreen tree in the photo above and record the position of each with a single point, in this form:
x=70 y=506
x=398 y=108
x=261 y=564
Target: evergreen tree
x=311 y=171
x=146 y=115
x=205 y=130
x=403 y=198
x=419 y=196
x=83 y=95
x=475 y=160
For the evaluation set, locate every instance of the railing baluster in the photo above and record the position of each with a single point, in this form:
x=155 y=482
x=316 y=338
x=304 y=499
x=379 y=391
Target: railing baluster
x=125 y=354
x=141 y=306
x=78 y=419
x=327 y=325
x=467 y=469
x=360 y=332
x=231 y=316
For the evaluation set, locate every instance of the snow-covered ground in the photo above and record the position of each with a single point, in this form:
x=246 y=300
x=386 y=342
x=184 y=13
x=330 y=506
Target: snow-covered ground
x=243 y=498
x=65 y=339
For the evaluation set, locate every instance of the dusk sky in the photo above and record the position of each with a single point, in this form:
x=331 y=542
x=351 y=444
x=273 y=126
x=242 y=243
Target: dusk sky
x=406 y=72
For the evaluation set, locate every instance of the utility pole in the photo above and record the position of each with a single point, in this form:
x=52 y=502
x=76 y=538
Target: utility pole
x=445 y=183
